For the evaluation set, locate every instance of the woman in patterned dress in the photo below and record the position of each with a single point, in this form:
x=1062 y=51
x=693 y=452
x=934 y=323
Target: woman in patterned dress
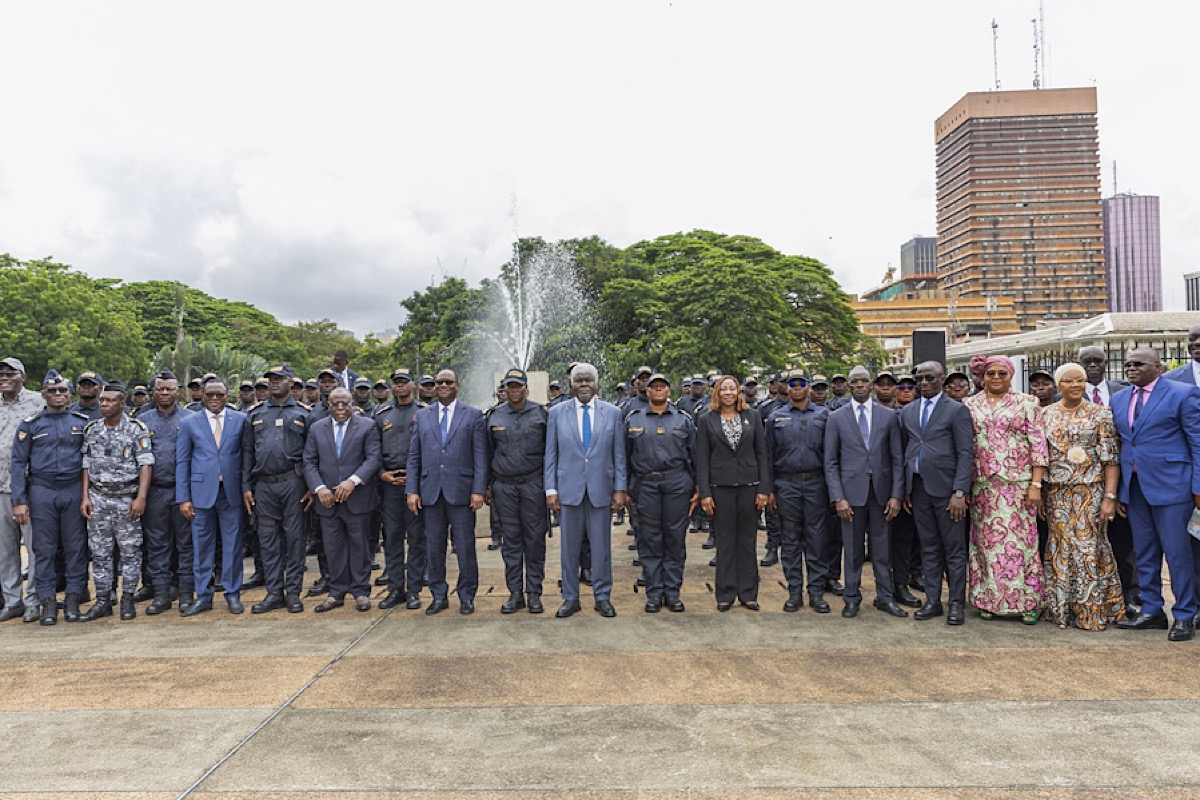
x=1082 y=586
x=1003 y=569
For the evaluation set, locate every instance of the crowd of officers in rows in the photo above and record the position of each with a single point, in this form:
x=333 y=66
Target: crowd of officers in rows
x=115 y=447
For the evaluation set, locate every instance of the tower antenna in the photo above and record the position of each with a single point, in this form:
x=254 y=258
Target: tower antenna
x=1042 y=41
x=1114 y=177
x=1037 y=55
x=996 y=52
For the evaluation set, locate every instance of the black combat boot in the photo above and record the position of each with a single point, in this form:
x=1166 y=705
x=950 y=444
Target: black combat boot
x=128 y=609
x=71 y=608
x=162 y=602
x=101 y=608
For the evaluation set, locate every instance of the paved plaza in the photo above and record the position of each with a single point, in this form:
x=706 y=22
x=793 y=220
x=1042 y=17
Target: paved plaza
x=393 y=704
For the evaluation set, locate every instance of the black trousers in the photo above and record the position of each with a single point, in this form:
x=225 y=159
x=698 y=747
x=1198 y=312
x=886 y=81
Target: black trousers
x=1120 y=537
x=401 y=527
x=868 y=522
x=735 y=531
x=904 y=544
x=833 y=543
x=167 y=535
x=943 y=545
x=345 y=536
x=662 y=547
x=803 y=514
x=281 y=538
x=524 y=519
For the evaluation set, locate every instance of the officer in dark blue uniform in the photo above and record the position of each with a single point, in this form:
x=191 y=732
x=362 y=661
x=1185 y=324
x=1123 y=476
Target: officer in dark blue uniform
x=400 y=526
x=274 y=490
x=47 y=468
x=658 y=444
x=246 y=396
x=361 y=392
x=167 y=533
x=796 y=442
x=778 y=399
x=516 y=436
x=88 y=385
x=637 y=390
x=839 y=392
x=312 y=393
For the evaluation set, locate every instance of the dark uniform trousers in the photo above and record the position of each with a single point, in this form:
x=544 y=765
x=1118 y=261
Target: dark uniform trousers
x=904 y=549
x=803 y=504
x=663 y=502
x=943 y=544
x=774 y=529
x=56 y=522
x=833 y=543
x=868 y=522
x=281 y=536
x=520 y=504
x=168 y=540
x=401 y=526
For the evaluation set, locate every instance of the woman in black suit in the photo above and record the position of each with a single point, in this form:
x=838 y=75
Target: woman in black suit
x=733 y=473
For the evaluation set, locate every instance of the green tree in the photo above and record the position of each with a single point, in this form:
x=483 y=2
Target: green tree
x=62 y=319
x=436 y=334
x=315 y=342
x=191 y=359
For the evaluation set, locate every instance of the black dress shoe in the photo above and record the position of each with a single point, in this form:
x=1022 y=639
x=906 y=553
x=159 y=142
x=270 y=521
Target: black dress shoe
x=320 y=586
x=605 y=608
x=709 y=543
x=272 y=601
x=329 y=604
x=535 y=603
x=917 y=584
x=955 y=615
x=676 y=605
x=905 y=598
x=751 y=605
x=712 y=562
x=818 y=603
x=382 y=580
x=192 y=609
x=254 y=581
x=437 y=606
x=392 y=600
x=930 y=610
x=892 y=608
x=294 y=604
x=1145 y=622
x=835 y=588
x=633 y=545
x=414 y=601
x=12 y=612
x=32 y=612
x=770 y=559
x=637 y=562
x=851 y=609
x=568 y=608
x=362 y=603
x=585 y=577
x=723 y=607
x=493 y=545
x=794 y=603
x=514 y=603
x=235 y=605
x=641 y=581
x=1182 y=630
x=653 y=605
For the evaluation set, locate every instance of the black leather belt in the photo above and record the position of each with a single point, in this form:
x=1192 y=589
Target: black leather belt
x=796 y=477
x=280 y=478
x=114 y=490
x=519 y=480
x=658 y=477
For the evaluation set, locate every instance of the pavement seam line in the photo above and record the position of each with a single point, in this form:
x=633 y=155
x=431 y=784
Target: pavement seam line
x=286 y=704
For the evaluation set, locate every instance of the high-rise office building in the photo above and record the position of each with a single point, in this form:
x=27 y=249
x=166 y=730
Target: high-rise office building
x=1133 y=253
x=1191 y=285
x=918 y=256
x=1018 y=202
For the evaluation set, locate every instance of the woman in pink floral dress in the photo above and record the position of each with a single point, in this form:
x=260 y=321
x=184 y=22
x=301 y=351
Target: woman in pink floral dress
x=1004 y=572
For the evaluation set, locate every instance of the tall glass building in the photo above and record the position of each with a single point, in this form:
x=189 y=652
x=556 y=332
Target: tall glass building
x=1133 y=252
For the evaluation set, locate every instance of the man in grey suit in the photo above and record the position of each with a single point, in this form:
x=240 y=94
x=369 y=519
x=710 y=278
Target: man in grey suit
x=341 y=460
x=585 y=477
x=447 y=478
x=937 y=474
x=1190 y=372
x=864 y=469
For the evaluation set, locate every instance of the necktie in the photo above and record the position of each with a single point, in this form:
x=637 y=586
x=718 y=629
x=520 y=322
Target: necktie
x=445 y=422
x=337 y=438
x=217 y=430
x=1137 y=406
x=863 y=427
x=925 y=412
x=587 y=427
x=1096 y=396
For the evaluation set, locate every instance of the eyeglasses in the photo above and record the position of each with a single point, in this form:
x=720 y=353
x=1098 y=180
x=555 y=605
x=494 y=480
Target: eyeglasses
x=339 y=404
x=798 y=382
x=57 y=390
x=1093 y=360
x=907 y=385
x=8 y=373
x=1129 y=364
x=927 y=378
x=445 y=383
x=996 y=373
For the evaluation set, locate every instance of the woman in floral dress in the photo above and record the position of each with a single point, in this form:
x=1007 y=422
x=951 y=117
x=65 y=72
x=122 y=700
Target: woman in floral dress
x=1004 y=572
x=1082 y=586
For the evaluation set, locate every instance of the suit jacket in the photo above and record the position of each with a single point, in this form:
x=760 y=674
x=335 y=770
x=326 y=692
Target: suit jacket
x=360 y=456
x=571 y=472
x=719 y=464
x=1182 y=374
x=1165 y=443
x=946 y=446
x=454 y=471
x=851 y=470
x=200 y=467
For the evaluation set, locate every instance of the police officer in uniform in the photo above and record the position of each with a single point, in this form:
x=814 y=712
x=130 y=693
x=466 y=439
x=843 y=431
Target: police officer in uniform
x=246 y=396
x=637 y=393
x=796 y=443
x=777 y=400
x=658 y=446
x=195 y=395
x=312 y=393
x=117 y=463
x=47 y=462
x=516 y=436
x=262 y=390
x=380 y=392
x=361 y=393
x=839 y=392
x=88 y=386
x=405 y=576
x=427 y=389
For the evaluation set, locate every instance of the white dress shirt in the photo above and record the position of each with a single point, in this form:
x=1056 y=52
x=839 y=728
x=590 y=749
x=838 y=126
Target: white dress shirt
x=867 y=407
x=1196 y=372
x=1102 y=386
x=212 y=422
x=579 y=415
x=449 y=411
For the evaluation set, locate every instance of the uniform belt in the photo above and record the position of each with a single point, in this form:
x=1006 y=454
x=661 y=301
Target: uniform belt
x=60 y=484
x=278 y=478
x=657 y=477
x=114 y=489
x=162 y=484
x=518 y=480
x=799 y=476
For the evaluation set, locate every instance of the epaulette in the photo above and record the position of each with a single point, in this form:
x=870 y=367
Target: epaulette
x=304 y=405
x=388 y=406
x=34 y=417
x=81 y=415
x=145 y=428
x=91 y=423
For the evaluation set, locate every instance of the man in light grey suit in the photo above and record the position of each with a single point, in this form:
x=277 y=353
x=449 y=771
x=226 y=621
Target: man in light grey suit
x=1189 y=372
x=585 y=477
x=864 y=469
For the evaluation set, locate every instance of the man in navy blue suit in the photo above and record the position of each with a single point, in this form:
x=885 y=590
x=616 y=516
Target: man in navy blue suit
x=1190 y=372
x=447 y=478
x=208 y=489
x=1159 y=425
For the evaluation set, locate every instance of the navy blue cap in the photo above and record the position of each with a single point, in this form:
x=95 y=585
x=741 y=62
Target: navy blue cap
x=515 y=376
x=281 y=370
x=53 y=378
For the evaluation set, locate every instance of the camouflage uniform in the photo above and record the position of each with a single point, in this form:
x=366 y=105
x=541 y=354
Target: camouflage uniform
x=113 y=457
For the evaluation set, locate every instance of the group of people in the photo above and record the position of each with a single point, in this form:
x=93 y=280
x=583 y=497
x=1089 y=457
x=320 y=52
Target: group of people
x=1060 y=504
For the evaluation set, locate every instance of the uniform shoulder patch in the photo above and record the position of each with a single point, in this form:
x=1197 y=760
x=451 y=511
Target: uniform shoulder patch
x=33 y=418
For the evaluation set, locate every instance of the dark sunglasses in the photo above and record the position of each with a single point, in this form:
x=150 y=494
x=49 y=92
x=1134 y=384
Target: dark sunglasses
x=8 y=373
x=57 y=390
x=798 y=382
x=996 y=373
x=445 y=383
x=1129 y=364
x=927 y=378
x=339 y=404
x=906 y=385
x=1093 y=360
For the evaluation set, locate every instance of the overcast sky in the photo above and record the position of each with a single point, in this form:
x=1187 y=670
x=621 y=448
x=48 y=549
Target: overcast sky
x=326 y=160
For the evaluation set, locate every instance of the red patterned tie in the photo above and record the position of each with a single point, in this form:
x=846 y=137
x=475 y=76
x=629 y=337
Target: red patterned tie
x=1096 y=396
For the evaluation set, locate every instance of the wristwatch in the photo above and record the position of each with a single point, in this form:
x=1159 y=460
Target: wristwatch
x=1109 y=496
x=959 y=493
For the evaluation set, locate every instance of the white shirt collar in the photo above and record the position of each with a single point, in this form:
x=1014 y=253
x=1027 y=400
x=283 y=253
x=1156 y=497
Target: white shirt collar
x=220 y=414
x=857 y=405
x=453 y=405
